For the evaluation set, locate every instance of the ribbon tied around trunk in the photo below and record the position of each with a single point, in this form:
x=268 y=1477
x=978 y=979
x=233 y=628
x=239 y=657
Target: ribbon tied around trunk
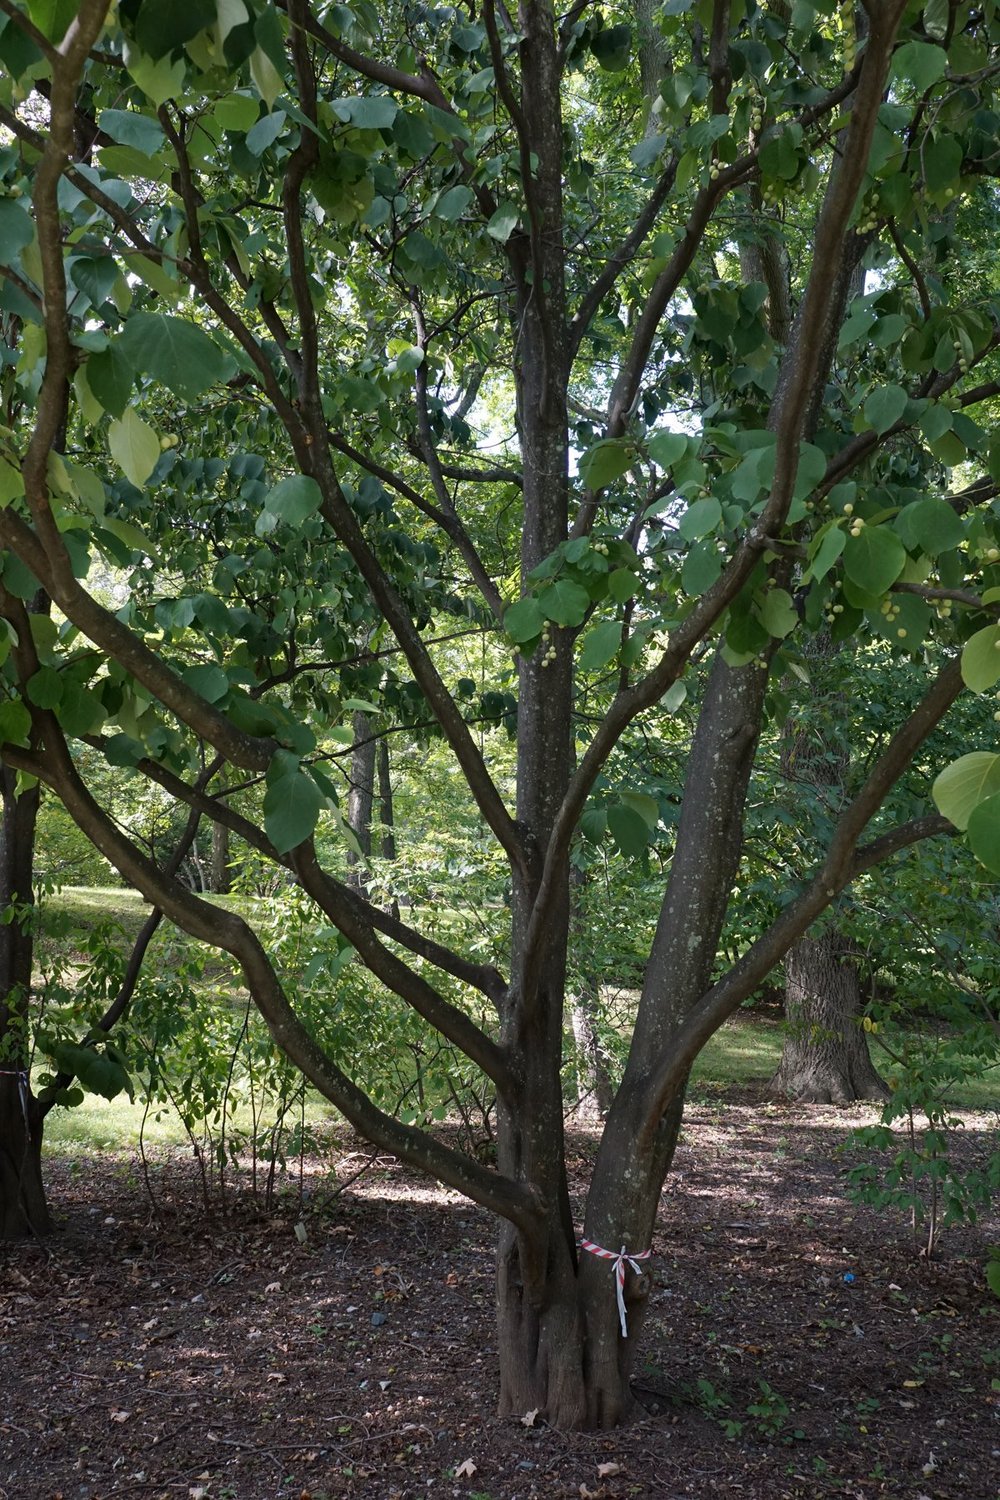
x=619 y=1260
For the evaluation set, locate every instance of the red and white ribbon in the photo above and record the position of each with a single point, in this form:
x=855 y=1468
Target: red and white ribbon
x=620 y=1259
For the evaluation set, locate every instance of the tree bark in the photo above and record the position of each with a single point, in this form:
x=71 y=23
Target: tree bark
x=825 y=1058
x=360 y=800
x=23 y=1209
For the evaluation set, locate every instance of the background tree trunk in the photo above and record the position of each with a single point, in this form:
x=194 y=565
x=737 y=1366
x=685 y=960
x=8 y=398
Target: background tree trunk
x=360 y=800
x=23 y=1209
x=825 y=1058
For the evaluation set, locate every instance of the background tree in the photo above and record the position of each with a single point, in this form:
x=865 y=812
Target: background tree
x=317 y=248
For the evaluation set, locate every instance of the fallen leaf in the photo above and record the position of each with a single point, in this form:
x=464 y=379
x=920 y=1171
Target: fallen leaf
x=465 y=1470
x=528 y=1420
x=604 y=1471
x=272 y=1286
x=119 y=1416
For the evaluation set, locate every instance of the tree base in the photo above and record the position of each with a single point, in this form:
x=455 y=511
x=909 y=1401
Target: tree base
x=24 y=1213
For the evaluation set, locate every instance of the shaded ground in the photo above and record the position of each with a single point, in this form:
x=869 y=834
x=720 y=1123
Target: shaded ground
x=164 y=1355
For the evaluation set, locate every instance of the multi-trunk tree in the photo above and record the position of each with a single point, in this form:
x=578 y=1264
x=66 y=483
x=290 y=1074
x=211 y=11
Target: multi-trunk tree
x=341 y=333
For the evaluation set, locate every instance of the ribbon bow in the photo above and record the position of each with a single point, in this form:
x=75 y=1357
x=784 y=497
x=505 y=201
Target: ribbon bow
x=619 y=1259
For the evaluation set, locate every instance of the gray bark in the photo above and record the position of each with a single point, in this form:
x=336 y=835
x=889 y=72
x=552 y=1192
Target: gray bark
x=825 y=1058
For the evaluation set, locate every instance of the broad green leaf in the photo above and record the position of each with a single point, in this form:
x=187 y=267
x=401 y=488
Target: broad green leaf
x=675 y=695
x=237 y=112
x=825 y=552
x=647 y=807
x=15 y=723
x=702 y=567
x=52 y=16
x=964 y=784
x=605 y=462
x=981 y=659
x=811 y=468
x=503 y=223
x=942 y=162
x=778 y=614
x=666 y=448
x=292 y=500
x=265 y=132
x=612 y=47
x=593 y=824
x=11 y=483
x=292 y=805
x=921 y=63
x=130 y=128
x=162 y=26
x=885 y=406
x=367 y=111
x=98 y=1072
x=175 y=352
x=874 y=559
x=16 y=229
x=208 y=681
x=159 y=79
x=110 y=377
x=984 y=833
x=452 y=204
x=932 y=524
x=600 y=645
x=564 y=602
x=265 y=75
x=134 y=447
x=524 y=620
x=700 y=518
x=628 y=828
x=45 y=688
x=95 y=277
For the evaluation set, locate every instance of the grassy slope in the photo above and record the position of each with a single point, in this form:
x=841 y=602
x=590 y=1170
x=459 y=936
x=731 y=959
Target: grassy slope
x=744 y=1053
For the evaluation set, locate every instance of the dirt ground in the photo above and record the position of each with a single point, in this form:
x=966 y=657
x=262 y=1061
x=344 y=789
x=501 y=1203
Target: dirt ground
x=796 y=1345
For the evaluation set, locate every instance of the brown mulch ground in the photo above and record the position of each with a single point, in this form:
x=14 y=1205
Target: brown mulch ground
x=173 y=1355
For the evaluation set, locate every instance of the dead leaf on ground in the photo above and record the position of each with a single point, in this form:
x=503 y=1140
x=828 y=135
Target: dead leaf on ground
x=605 y=1471
x=466 y=1469
x=528 y=1420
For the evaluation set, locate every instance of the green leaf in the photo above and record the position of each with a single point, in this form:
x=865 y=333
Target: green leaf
x=600 y=645
x=265 y=132
x=964 y=784
x=237 y=112
x=981 y=659
x=874 y=559
x=98 y=1072
x=700 y=519
x=921 y=63
x=778 y=614
x=667 y=448
x=159 y=79
x=702 y=567
x=130 y=128
x=208 y=681
x=612 y=47
x=605 y=462
x=811 y=469
x=942 y=162
x=452 y=204
x=825 y=550
x=52 y=16
x=647 y=807
x=175 y=352
x=367 y=111
x=292 y=500
x=163 y=26
x=110 y=377
x=593 y=824
x=628 y=828
x=984 y=833
x=45 y=688
x=16 y=230
x=524 y=620
x=993 y=1282
x=885 y=406
x=134 y=447
x=15 y=723
x=564 y=602
x=292 y=805
x=11 y=483
x=932 y=524
x=503 y=223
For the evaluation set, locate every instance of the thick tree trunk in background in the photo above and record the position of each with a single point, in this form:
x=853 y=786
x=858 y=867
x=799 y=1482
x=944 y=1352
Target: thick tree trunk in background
x=594 y=1088
x=23 y=1210
x=825 y=1058
x=221 y=875
x=360 y=800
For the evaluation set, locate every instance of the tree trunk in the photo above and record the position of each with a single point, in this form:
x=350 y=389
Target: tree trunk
x=594 y=1089
x=825 y=1058
x=23 y=1210
x=360 y=800
x=221 y=875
